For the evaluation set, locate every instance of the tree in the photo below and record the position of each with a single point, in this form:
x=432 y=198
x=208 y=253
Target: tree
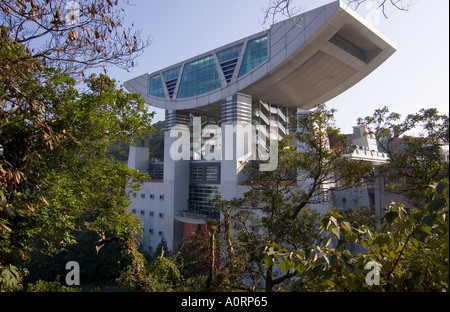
x=54 y=175
x=162 y=249
x=97 y=270
x=415 y=161
x=166 y=275
x=194 y=258
x=73 y=36
x=276 y=205
x=409 y=253
x=154 y=140
x=42 y=286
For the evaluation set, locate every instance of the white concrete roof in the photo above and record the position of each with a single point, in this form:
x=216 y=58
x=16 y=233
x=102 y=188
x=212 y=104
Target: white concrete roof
x=303 y=67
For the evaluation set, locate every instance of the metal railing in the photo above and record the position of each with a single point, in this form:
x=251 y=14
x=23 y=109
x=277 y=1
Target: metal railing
x=191 y=215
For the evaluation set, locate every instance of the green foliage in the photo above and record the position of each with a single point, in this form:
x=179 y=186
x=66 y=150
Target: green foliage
x=411 y=249
x=194 y=254
x=415 y=162
x=56 y=286
x=58 y=178
x=162 y=250
x=55 y=177
x=358 y=216
x=134 y=275
x=154 y=140
x=10 y=278
x=166 y=275
x=97 y=270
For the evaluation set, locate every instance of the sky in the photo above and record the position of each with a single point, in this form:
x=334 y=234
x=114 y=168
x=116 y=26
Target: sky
x=415 y=77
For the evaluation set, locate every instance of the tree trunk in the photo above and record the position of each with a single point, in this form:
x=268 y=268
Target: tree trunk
x=211 y=284
x=269 y=279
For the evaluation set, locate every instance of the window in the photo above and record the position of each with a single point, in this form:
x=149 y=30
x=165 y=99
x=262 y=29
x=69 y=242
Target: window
x=356 y=132
x=156 y=86
x=171 y=73
x=152 y=196
x=205 y=173
x=171 y=79
x=198 y=77
x=199 y=198
x=197 y=173
x=228 y=59
x=255 y=54
x=161 y=215
x=212 y=173
x=142 y=212
x=133 y=211
x=229 y=53
x=143 y=195
x=157 y=173
x=161 y=233
x=150 y=231
x=151 y=213
x=134 y=195
x=161 y=197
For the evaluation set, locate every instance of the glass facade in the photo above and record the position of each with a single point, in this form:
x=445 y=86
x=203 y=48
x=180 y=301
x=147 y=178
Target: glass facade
x=171 y=79
x=199 y=199
x=212 y=173
x=228 y=59
x=205 y=173
x=156 y=86
x=197 y=173
x=255 y=53
x=229 y=53
x=199 y=77
x=156 y=172
x=171 y=73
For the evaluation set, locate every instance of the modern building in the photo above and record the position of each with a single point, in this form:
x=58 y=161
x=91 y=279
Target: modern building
x=223 y=106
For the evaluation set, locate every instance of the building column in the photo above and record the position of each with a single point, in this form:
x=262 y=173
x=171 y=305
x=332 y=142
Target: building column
x=176 y=172
x=237 y=136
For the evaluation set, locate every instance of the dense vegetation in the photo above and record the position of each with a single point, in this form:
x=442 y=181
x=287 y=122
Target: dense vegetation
x=64 y=184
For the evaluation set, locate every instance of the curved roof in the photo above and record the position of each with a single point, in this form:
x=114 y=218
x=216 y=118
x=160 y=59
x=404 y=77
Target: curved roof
x=299 y=65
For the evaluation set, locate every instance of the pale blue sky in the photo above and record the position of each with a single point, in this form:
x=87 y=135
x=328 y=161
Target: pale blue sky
x=415 y=77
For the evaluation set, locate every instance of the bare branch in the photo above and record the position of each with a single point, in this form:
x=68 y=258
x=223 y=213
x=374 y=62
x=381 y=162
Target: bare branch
x=286 y=8
x=94 y=35
x=401 y=5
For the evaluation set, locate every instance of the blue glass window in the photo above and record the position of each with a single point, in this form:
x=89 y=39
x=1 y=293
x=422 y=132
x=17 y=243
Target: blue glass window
x=229 y=53
x=171 y=79
x=228 y=59
x=171 y=73
x=199 y=77
x=156 y=86
x=255 y=54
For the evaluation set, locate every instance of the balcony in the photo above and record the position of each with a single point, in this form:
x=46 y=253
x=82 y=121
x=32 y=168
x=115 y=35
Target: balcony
x=361 y=153
x=193 y=217
x=190 y=217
